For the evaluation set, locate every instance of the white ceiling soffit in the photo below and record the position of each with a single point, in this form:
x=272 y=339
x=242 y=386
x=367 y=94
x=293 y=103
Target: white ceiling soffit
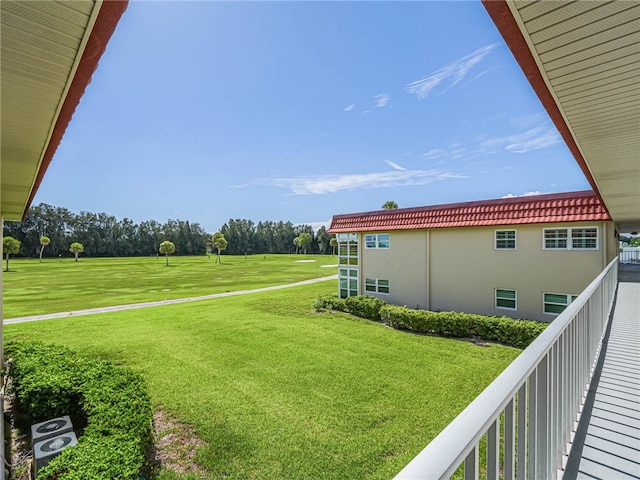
x=588 y=53
x=41 y=47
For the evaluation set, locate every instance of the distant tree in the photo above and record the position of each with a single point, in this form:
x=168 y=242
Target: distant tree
x=76 y=248
x=322 y=239
x=304 y=241
x=220 y=243
x=167 y=248
x=334 y=243
x=296 y=242
x=10 y=245
x=44 y=241
x=389 y=205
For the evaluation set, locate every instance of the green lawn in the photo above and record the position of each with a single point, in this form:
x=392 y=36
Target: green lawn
x=276 y=390
x=32 y=288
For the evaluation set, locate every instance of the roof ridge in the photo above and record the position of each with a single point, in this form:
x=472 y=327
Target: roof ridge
x=581 y=205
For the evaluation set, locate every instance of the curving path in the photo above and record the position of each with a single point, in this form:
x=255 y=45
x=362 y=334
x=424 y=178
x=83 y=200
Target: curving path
x=133 y=306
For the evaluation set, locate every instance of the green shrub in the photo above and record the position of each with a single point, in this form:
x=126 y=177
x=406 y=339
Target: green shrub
x=330 y=302
x=505 y=330
x=365 y=307
x=112 y=404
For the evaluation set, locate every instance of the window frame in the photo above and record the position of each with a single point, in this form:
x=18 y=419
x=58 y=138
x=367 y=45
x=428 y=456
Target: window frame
x=515 y=299
x=584 y=238
x=375 y=283
x=568 y=296
x=569 y=238
x=496 y=239
x=373 y=241
x=351 y=275
x=348 y=250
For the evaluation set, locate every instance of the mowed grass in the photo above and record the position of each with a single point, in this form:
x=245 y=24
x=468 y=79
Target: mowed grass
x=278 y=391
x=32 y=287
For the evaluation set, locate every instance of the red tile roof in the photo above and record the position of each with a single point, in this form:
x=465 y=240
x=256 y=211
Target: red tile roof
x=581 y=206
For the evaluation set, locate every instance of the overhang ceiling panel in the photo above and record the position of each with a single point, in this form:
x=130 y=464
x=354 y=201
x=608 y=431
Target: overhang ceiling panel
x=600 y=95
x=582 y=26
x=57 y=17
x=590 y=45
x=42 y=43
x=11 y=18
x=611 y=68
x=620 y=75
x=601 y=61
x=583 y=60
x=534 y=12
x=49 y=50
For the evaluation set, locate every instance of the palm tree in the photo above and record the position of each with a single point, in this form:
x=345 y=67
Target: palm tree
x=220 y=243
x=44 y=241
x=389 y=205
x=76 y=248
x=167 y=248
x=10 y=245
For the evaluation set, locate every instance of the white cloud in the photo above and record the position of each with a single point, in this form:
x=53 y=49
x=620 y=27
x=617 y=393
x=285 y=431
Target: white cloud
x=382 y=100
x=533 y=139
x=435 y=154
x=349 y=108
x=527 y=194
x=322 y=184
x=394 y=165
x=450 y=75
x=316 y=225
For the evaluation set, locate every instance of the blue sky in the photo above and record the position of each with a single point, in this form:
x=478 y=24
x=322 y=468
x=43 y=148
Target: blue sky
x=296 y=111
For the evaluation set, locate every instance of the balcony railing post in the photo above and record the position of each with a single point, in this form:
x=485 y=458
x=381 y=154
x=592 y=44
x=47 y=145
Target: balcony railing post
x=522 y=432
x=542 y=418
x=493 y=450
x=509 y=439
x=471 y=465
x=532 y=418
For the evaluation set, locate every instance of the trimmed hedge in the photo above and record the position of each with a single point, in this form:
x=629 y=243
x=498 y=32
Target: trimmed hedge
x=504 y=330
x=50 y=381
x=365 y=307
x=361 y=306
x=330 y=302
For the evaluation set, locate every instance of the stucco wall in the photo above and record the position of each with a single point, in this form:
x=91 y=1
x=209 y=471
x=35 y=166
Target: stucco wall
x=464 y=268
x=404 y=264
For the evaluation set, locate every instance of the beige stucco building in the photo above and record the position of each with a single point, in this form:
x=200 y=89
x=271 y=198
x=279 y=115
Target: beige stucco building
x=525 y=257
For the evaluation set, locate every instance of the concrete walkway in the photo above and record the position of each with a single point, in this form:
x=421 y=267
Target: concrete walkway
x=133 y=306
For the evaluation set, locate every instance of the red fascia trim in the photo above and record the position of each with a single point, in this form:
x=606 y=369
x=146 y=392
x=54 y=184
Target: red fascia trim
x=503 y=19
x=105 y=25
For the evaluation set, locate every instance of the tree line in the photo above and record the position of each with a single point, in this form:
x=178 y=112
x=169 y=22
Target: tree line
x=103 y=235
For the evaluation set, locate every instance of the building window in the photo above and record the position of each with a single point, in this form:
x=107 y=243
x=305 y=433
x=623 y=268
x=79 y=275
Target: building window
x=348 y=282
x=376 y=285
x=348 y=249
x=506 y=299
x=505 y=240
x=584 y=238
x=380 y=240
x=555 y=303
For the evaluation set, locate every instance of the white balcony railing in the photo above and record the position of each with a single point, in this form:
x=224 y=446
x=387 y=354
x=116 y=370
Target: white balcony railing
x=538 y=399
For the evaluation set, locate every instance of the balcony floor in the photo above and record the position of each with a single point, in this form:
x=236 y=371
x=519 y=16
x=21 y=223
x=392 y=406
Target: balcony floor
x=607 y=442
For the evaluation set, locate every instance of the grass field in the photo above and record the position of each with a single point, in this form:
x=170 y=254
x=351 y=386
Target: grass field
x=276 y=390
x=32 y=288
